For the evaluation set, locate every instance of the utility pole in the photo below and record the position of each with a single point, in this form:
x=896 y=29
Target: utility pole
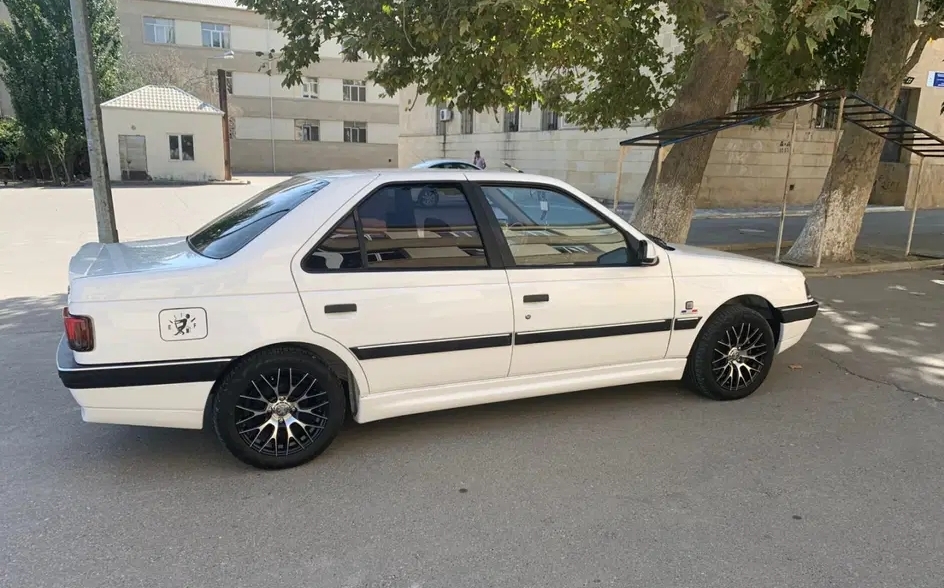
x=224 y=106
x=98 y=163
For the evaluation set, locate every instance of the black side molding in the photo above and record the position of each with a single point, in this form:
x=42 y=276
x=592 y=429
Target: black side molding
x=340 y=308
x=797 y=312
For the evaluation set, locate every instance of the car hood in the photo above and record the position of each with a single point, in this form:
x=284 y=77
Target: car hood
x=102 y=259
x=699 y=261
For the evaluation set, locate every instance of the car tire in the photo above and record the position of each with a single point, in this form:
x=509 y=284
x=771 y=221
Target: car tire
x=278 y=408
x=428 y=197
x=732 y=355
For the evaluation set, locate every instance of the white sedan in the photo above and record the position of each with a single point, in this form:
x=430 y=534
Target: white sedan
x=333 y=293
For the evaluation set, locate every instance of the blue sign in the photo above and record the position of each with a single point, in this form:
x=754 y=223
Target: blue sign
x=936 y=79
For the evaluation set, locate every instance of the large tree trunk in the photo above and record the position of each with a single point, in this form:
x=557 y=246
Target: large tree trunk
x=665 y=210
x=837 y=215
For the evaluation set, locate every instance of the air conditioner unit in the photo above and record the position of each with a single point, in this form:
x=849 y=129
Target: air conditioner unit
x=445 y=115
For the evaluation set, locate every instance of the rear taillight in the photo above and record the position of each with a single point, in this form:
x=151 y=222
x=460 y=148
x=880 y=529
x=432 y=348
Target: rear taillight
x=78 y=331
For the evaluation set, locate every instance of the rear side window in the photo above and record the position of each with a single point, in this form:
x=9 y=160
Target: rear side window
x=406 y=227
x=230 y=232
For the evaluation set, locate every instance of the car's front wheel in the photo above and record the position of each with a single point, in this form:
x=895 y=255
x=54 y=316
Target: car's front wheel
x=278 y=408
x=732 y=355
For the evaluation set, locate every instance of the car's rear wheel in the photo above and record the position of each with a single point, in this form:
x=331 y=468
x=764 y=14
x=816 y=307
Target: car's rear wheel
x=732 y=355
x=428 y=197
x=278 y=408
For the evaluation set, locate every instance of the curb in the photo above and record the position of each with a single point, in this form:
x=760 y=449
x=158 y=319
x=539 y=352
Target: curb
x=842 y=270
x=181 y=184
x=871 y=268
x=785 y=244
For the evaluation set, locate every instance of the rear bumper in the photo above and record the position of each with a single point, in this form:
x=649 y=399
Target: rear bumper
x=156 y=394
x=797 y=312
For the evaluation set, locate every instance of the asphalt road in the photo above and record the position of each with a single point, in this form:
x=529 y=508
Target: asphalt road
x=830 y=475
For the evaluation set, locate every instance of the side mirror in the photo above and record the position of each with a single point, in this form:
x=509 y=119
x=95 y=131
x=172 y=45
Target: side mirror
x=645 y=254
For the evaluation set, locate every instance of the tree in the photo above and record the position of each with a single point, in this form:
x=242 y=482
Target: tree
x=38 y=65
x=895 y=47
x=599 y=64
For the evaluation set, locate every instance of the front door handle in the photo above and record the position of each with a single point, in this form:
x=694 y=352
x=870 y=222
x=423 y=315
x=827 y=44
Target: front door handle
x=528 y=298
x=340 y=308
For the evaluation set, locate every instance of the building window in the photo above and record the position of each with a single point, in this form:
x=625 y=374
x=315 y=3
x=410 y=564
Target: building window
x=307 y=130
x=214 y=83
x=309 y=88
x=355 y=91
x=827 y=117
x=550 y=120
x=512 y=118
x=181 y=147
x=468 y=117
x=749 y=94
x=215 y=35
x=158 y=30
x=355 y=132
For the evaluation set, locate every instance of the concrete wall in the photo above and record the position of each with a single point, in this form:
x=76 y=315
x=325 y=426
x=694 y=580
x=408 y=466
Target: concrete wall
x=255 y=155
x=156 y=126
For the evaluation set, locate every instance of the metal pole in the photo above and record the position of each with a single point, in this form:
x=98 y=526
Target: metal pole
x=224 y=106
x=619 y=174
x=98 y=162
x=271 y=118
x=786 y=186
x=822 y=236
x=914 y=208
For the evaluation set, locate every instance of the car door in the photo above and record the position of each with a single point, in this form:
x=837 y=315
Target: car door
x=581 y=299
x=410 y=290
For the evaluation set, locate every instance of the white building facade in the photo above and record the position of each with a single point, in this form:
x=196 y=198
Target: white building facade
x=335 y=119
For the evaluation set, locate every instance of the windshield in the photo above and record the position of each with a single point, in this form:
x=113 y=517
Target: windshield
x=230 y=232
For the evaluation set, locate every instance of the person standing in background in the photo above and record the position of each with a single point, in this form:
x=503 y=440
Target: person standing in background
x=478 y=160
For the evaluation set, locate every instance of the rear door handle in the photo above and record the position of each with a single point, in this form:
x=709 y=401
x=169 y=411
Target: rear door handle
x=528 y=298
x=340 y=308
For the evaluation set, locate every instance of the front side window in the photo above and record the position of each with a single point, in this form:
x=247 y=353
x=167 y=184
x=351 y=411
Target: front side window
x=215 y=35
x=230 y=232
x=545 y=227
x=354 y=91
x=181 y=147
x=397 y=234
x=355 y=132
x=158 y=30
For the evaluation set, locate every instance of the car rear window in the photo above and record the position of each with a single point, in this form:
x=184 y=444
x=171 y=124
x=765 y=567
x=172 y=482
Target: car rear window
x=231 y=231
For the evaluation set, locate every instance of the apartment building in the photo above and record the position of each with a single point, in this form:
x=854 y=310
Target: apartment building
x=335 y=119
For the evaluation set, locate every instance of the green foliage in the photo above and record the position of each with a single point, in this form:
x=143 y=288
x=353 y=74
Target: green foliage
x=792 y=61
x=11 y=140
x=38 y=66
x=600 y=64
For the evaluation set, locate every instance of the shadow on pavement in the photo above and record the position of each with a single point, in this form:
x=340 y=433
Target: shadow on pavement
x=29 y=314
x=886 y=330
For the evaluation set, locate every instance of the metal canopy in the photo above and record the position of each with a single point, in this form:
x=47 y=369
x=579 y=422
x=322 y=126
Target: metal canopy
x=856 y=110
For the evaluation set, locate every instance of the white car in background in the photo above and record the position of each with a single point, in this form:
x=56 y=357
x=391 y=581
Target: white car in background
x=429 y=196
x=332 y=292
